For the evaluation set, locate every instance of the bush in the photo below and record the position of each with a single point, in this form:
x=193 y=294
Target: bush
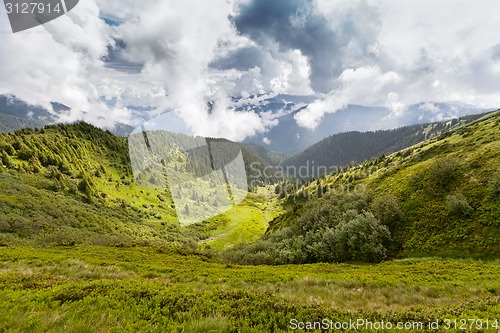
x=25 y=153
x=362 y=238
x=458 y=205
x=443 y=171
x=495 y=184
x=6 y=160
x=387 y=209
x=334 y=228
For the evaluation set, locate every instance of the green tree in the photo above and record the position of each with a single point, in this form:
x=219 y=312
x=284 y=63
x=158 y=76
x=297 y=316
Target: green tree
x=495 y=184
x=25 y=153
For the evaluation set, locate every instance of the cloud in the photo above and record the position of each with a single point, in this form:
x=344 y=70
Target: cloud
x=299 y=25
x=417 y=52
x=176 y=49
x=164 y=55
x=364 y=86
x=56 y=59
x=60 y=61
x=312 y=115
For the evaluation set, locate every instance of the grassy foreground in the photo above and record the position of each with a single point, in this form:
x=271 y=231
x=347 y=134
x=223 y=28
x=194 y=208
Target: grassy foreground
x=148 y=289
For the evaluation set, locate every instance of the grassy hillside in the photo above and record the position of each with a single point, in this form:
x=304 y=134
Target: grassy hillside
x=355 y=147
x=84 y=249
x=440 y=197
x=70 y=184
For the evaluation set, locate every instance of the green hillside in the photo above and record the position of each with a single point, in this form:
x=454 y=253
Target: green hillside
x=83 y=248
x=143 y=289
x=73 y=184
x=438 y=198
x=355 y=147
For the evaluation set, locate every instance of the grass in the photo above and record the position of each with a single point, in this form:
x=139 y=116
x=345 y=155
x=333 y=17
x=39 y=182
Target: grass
x=247 y=222
x=129 y=287
x=142 y=289
x=417 y=176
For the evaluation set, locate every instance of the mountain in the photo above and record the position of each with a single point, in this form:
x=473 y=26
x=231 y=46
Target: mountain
x=269 y=156
x=289 y=138
x=15 y=107
x=354 y=147
x=67 y=184
x=9 y=123
x=437 y=198
x=286 y=137
x=16 y=114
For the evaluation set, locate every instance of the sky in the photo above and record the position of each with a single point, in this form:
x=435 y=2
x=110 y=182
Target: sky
x=128 y=60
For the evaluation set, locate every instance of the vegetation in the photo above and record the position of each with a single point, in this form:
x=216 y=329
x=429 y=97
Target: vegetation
x=73 y=184
x=144 y=289
x=495 y=184
x=437 y=198
x=335 y=228
x=355 y=147
x=84 y=248
x=458 y=205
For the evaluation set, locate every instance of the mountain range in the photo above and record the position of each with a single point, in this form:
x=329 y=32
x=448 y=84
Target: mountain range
x=354 y=147
x=289 y=138
x=286 y=137
x=17 y=114
x=71 y=184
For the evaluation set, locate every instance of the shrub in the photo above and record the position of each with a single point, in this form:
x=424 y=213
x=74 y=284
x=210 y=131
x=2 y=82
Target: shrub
x=331 y=229
x=6 y=160
x=25 y=153
x=458 y=205
x=362 y=238
x=387 y=209
x=443 y=171
x=495 y=184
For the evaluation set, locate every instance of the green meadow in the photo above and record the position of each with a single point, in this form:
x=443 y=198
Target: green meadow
x=148 y=289
x=83 y=248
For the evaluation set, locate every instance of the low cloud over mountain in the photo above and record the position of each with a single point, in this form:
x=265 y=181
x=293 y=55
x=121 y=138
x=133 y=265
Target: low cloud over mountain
x=126 y=61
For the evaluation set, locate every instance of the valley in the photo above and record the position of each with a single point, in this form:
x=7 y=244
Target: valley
x=409 y=236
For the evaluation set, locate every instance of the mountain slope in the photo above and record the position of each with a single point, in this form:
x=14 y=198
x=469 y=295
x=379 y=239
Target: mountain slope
x=355 y=147
x=15 y=107
x=438 y=198
x=16 y=114
x=73 y=183
x=10 y=123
